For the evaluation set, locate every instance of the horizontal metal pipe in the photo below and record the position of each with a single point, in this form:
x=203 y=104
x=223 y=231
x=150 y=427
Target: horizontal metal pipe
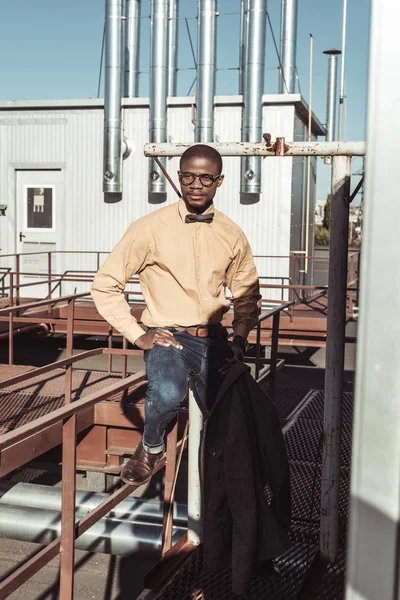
x=109 y=536
x=49 y=498
x=261 y=149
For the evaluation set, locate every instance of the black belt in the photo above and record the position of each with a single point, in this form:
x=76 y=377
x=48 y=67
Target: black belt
x=205 y=331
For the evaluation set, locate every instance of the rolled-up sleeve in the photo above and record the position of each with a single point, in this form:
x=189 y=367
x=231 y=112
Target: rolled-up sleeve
x=242 y=280
x=128 y=258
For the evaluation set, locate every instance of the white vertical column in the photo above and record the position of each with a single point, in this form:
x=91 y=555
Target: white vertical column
x=195 y=525
x=373 y=556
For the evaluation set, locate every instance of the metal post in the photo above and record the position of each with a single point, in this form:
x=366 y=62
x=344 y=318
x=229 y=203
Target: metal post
x=341 y=98
x=336 y=322
x=195 y=524
x=110 y=345
x=10 y=338
x=11 y=289
x=67 y=551
x=124 y=359
x=274 y=353
x=352 y=283
x=258 y=348
x=69 y=349
x=170 y=469
x=17 y=268
x=49 y=308
x=374 y=538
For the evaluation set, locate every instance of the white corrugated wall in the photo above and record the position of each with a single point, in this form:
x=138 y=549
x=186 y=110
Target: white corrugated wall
x=74 y=138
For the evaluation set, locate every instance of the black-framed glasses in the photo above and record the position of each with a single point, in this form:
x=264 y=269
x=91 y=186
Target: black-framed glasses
x=206 y=180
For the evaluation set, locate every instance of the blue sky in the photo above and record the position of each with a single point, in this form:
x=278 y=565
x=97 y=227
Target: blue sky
x=51 y=49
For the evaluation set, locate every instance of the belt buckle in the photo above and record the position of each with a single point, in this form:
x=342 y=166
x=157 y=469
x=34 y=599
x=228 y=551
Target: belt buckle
x=197 y=330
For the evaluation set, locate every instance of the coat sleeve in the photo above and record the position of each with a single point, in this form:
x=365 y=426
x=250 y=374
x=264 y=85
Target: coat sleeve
x=242 y=280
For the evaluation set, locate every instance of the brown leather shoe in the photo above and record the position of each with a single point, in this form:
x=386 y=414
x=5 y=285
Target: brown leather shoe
x=140 y=467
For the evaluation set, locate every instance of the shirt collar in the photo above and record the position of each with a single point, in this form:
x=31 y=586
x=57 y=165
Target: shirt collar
x=183 y=211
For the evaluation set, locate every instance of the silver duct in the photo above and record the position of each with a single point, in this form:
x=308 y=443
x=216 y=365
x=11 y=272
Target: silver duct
x=158 y=94
x=49 y=498
x=244 y=24
x=331 y=98
x=287 y=78
x=132 y=48
x=206 y=68
x=172 y=46
x=252 y=99
x=112 y=162
x=110 y=536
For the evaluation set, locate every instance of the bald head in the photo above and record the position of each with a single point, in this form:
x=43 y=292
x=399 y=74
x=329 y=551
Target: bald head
x=202 y=151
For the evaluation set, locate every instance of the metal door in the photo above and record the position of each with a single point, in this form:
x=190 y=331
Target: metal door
x=40 y=225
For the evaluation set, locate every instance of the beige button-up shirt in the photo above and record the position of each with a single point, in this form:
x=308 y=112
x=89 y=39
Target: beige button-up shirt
x=183 y=269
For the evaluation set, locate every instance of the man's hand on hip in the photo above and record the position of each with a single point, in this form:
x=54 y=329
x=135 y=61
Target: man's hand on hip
x=158 y=337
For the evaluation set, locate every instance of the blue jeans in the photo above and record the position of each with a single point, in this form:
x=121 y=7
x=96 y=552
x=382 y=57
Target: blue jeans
x=168 y=370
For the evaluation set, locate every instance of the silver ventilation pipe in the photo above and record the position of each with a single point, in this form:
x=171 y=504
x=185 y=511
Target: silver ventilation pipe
x=206 y=69
x=173 y=12
x=244 y=24
x=49 y=498
x=287 y=78
x=252 y=100
x=331 y=98
x=110 y=536
x=132 y=48
x=112 y=162
x=158 y=94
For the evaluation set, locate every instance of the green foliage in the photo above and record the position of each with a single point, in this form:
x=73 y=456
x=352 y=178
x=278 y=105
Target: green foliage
x=326 y=222
x=321 y=236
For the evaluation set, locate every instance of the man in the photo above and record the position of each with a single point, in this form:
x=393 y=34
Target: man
x=184 y=255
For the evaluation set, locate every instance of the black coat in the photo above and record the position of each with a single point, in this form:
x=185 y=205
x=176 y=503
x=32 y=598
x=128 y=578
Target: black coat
x=245 y=480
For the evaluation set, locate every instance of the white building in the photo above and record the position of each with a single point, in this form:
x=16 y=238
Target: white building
x=51 y=181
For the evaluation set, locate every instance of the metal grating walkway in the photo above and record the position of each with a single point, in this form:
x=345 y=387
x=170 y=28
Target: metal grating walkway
x=303 y=440
x=24 y=402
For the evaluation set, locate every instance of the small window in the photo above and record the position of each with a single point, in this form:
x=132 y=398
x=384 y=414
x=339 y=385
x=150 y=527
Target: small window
x=40 y=208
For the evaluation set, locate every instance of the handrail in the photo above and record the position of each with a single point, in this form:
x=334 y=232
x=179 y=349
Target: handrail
x=275 y=313
x=60 y=414
x=59 y=364
x=67 y=415
x=39 y=303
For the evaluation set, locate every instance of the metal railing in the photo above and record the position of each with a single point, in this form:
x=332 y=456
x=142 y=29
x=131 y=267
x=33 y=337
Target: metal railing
x=68 y=414
x=292 y=287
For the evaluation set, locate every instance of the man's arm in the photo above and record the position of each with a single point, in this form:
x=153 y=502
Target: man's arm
x=242 y=280
x=128 y=258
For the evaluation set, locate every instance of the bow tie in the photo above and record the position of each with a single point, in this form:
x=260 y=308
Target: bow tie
x=194 y=218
